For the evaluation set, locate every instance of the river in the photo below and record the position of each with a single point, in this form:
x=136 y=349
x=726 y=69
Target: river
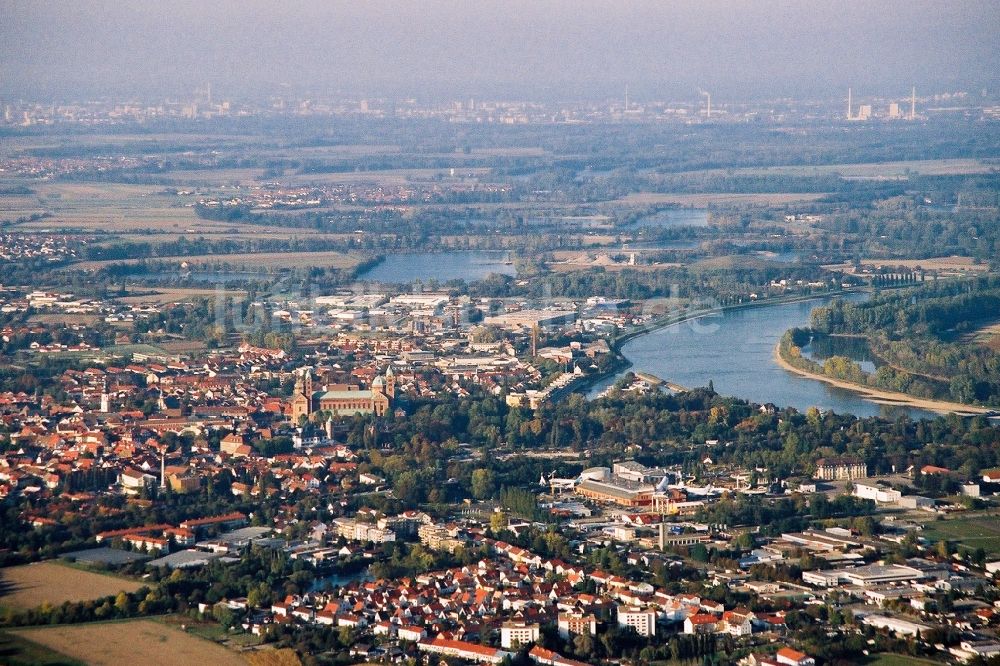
x=734 y=349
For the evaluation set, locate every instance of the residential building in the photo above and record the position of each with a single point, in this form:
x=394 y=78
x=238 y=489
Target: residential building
x=517 y=634
x=640 y=619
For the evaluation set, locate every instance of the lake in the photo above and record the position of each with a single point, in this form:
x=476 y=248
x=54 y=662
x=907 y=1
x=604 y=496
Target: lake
x=857 y=349
x=734 y=349
x=330 y=581
x=408 y=267
x=672 y=217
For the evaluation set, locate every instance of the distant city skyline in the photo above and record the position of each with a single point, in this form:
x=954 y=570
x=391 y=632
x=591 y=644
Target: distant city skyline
x=543 y=50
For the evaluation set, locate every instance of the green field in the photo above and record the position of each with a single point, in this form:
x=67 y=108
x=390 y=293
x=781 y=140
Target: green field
x=970 y=533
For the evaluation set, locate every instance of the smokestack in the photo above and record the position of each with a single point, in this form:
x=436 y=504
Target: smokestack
x=163 y=467
x=913 y=103
x=849 y=103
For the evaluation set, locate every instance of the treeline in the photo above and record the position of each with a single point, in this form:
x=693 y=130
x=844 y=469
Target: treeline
x=260 y=575
x=425 y=465
x=199 y=246
x=937 y=216
x=727 y=285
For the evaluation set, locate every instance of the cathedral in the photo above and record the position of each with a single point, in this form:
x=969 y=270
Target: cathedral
x=343 y=399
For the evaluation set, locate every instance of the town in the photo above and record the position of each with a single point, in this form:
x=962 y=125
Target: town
x=528 y=334
x=120 y=460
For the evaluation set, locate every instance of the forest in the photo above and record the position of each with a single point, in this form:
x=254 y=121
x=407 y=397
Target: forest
x=925 y=339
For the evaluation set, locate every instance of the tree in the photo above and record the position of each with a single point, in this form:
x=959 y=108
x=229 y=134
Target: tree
x=583 y=644
x=223 y=614
x=498 y=522
x=483 y=483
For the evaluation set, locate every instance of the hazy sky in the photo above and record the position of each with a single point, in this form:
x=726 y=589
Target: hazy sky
x=556 y=49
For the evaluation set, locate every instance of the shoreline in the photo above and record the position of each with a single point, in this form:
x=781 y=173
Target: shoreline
x=884 y=397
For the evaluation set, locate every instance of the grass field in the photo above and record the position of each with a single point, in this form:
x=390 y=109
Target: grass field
x=130 y=642
x=60 y=318
x=167 y=295
x=971 y=533
x=899 y=660
x=31 y=585
x=728 y=262
x=16 y=651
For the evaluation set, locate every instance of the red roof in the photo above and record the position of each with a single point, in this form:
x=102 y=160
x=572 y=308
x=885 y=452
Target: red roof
x=462 y=646
x=789 y=653
x=703 y=618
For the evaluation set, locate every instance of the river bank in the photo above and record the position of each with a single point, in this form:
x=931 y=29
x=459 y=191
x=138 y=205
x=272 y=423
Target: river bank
x=685 y=317
x=883 y=397
x=623 y=363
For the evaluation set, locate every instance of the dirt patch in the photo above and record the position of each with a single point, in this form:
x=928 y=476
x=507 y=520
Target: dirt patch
x=166 y=296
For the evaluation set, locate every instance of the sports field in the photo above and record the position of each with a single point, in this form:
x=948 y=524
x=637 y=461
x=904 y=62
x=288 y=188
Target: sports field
x=970 y=533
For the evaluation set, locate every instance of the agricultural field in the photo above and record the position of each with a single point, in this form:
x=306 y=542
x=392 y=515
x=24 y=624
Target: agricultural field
x=17 y=651
x=944 y=167
x=987 y=335
x=954 y=265
x=130 y=642
x=970 y=533
x=705 y=200
x=101 y=207
x=31 y=585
